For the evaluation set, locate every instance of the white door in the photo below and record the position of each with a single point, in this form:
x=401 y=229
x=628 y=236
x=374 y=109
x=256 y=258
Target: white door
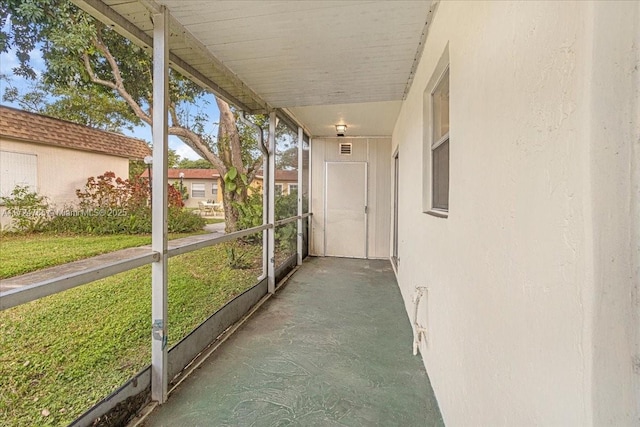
x=345 y=213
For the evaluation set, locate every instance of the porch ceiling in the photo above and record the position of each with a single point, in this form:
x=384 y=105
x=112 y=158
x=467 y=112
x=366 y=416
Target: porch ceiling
x=325 y=62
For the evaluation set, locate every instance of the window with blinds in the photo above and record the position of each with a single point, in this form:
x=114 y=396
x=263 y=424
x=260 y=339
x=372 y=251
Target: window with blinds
x=198 y=190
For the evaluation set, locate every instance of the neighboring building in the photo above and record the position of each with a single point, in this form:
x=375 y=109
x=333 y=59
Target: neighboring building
x=201 y=185
x=55 y=157
x=204 y=185
x=286 y=181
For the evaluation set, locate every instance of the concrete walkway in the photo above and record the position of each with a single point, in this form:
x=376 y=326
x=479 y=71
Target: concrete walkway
x=332 y=348
x=215 y=228
x=38 y=276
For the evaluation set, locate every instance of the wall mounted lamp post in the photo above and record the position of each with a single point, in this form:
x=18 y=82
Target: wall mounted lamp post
x=181 y=176
x=148 y=160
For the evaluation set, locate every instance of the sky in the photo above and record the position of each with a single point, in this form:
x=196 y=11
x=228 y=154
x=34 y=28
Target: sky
x=8 y=61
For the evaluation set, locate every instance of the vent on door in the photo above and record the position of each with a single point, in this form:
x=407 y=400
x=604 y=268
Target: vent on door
x=345 y=148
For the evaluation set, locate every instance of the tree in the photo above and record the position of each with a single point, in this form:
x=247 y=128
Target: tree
x=194 y=164
x=287 y=159
x=86 y=60
x=173 y=158
x=106 y=113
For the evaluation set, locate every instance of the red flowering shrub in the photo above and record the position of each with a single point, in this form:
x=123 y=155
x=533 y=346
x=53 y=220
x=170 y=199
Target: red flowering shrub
x=109 y=191
x=175 y=197
x=112 y=205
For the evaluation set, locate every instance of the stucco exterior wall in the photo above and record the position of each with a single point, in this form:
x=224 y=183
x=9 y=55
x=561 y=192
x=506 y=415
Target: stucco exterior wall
x=60 y=171
x=613 y=126
x=532 y=304
x=192 y=202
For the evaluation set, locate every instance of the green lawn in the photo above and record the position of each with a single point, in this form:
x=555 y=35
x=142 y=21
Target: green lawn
x=24 y=253
x=61 y=354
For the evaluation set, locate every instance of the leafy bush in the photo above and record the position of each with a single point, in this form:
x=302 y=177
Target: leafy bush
x=287 y=235
x=184 y=221
x=112 y=205
x=29 y=211
x=286 y=206
x=236 y=259
x=102 y=221
x=109 y=191
x=249 y=213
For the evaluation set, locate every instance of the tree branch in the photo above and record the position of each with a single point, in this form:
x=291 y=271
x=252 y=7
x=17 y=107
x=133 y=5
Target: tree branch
x=92 y=75
x=227 y=123
x=196 y=142
x=174 y=116
x=190 y=138
x=253 y=169
x=119 y=84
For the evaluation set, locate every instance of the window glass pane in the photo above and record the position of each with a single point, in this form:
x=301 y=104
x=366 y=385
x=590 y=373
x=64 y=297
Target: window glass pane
x=286 y=170
x=214 y=191
x=441 y=176
x=197 y=190
x=441 y=108
x=286 y=203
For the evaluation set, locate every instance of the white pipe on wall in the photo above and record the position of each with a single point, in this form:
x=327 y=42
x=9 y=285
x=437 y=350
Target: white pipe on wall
x=419 y=332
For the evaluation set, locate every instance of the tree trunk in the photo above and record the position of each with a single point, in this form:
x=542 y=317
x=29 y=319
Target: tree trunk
x=231 y=214
x=229 y=142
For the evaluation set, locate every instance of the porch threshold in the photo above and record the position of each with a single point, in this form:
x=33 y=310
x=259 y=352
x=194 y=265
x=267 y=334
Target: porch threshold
x=333 y=347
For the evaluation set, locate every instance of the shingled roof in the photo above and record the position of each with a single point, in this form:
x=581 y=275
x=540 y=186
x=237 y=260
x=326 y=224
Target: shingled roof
x=39 y=129
x=174 y=173
x=282 y=175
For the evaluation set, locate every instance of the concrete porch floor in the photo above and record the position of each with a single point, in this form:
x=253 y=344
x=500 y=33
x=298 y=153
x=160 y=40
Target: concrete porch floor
x=332 y=348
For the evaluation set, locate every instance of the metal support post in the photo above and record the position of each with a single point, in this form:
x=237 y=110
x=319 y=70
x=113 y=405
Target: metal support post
x=265 y=215
x=270 y=191
x=300 y=166
x=265 y=197
x=159 y=206
x=310 y=196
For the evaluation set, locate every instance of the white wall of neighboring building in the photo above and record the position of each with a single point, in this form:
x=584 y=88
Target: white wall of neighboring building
x=60 y=171
x=532 y=307
x=209 y=195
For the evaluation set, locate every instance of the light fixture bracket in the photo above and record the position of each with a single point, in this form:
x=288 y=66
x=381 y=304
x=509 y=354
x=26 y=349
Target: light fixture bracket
x=341 y=129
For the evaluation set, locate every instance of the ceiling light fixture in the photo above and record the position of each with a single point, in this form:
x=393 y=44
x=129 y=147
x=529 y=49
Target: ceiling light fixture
x=341 y=129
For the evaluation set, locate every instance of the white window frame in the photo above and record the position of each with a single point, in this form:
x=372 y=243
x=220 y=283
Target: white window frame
x=214 y=190
x=429 y=144
x=193 y=190
x=436 y=143
x=291 y=186
x=278 y=189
